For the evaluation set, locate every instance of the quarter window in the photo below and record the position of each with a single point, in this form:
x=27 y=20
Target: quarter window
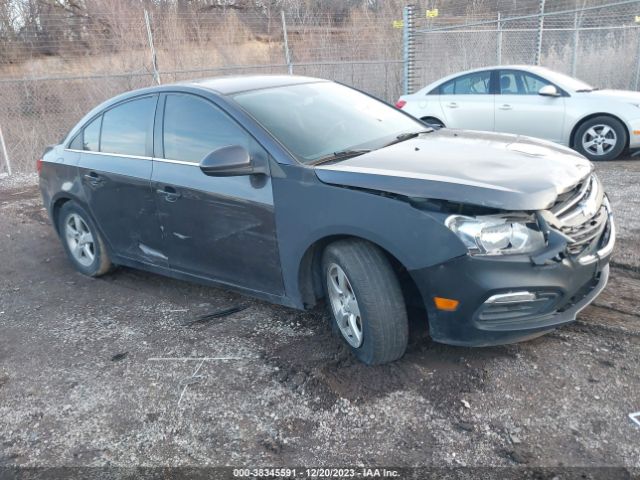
x=76 y=143
x=194 y=127
x=125 y=127
x=476 y=83
x=91 y=140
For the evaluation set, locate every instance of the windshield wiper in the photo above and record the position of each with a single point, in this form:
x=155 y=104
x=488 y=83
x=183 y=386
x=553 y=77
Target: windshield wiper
x=408 y=136
x=587 y=90
x=341 y=155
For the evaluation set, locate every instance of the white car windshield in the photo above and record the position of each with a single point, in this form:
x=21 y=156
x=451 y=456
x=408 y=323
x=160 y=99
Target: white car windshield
x=568 y=82
x=313 y=120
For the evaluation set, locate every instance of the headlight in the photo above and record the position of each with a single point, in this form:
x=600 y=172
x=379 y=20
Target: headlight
x=493 y=235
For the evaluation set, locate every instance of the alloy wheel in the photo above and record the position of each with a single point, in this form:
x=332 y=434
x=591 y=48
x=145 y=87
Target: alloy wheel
x=599 y=139
x=80 y=240
x=344 y=305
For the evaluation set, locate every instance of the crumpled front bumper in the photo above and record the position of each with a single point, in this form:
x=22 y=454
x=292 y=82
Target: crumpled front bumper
x=561 y=289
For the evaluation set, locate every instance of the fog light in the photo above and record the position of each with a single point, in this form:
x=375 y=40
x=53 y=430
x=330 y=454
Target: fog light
x=446 y=304
x=504 y=308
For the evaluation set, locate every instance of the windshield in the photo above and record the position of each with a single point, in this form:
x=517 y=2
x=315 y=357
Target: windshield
x=313 y=120
x=568 y=82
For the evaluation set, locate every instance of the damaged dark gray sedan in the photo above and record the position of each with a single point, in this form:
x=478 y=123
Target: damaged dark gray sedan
x=296 y=190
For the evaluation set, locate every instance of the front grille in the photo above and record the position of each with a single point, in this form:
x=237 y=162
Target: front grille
x=585 y=234
x=567 y=199
x=582 y=215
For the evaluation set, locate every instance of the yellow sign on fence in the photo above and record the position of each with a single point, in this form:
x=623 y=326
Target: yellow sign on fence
x=428 y=14
x=637 y=18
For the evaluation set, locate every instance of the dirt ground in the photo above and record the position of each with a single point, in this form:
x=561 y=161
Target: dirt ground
x=110 y=371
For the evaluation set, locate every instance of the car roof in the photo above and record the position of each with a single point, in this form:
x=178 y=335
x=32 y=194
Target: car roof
x=232 y=84
x=228 y=85
x=225 y=85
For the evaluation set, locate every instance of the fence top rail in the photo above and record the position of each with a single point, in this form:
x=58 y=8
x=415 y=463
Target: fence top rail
x=554 y=29
x=136 y=74
x=528 y=16
x=75 y=77
x=198 y=70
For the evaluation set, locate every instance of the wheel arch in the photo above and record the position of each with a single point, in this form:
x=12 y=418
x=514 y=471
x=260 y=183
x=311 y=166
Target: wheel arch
x=56 y=205
x=310 y=272
x=60 y=200
x=586 y=118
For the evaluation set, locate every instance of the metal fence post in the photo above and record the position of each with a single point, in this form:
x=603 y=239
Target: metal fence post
x=154 y=60
x=408 y=50
x=287 y=54
x=4 y=152
x=637 y=78
x=539 y=39
x=576 y=38
x=499 y=45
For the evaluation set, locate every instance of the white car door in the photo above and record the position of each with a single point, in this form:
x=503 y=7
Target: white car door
x=467 y=101
x=519 y=108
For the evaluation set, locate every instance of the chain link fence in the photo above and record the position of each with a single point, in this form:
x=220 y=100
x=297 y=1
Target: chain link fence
x=598 y=42
x=55 y=68
x=50 y=76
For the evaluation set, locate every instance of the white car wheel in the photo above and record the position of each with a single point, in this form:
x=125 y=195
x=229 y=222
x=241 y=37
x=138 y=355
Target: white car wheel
x=601 y=138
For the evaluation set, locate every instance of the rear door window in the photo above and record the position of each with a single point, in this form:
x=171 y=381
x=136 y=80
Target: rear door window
x=476 y=83
x=125 y=128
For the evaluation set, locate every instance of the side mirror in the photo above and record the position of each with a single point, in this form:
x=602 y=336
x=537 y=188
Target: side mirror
x=229 y=161
x=549 y=91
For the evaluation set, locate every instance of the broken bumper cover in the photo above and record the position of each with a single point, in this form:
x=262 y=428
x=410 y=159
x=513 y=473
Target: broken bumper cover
x=508 y=299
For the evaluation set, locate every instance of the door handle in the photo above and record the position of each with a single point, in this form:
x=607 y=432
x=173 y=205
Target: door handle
x=452 y=105
x=506 y=106
x=93 y=178
x=169 y=193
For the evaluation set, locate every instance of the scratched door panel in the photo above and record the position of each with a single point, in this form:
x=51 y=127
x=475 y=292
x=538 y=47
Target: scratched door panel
x=115 y=169
x=222 y=228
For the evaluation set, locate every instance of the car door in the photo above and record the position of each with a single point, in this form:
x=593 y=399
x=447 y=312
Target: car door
x=521 y=109
x=220 y=228
x=115 y=169
x=468 y=101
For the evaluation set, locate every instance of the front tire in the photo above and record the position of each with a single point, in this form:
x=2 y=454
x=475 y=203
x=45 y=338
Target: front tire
x=82 y=241
x=365 y=301
x=601 y=138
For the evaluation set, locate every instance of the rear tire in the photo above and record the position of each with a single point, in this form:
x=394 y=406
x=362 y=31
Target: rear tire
x=82 y=241
x=601 y=138
x=371 y=301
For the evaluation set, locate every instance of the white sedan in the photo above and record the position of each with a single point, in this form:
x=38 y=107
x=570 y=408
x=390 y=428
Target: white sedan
x=533 y=101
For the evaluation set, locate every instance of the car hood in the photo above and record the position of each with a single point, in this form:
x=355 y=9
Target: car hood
x=481 y=168
x=619 y=95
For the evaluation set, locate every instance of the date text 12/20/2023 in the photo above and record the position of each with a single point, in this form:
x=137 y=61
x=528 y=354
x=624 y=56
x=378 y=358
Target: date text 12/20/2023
x=315 y=472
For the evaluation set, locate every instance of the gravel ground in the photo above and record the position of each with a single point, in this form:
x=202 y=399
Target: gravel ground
x=622 y=181
x=99 y=372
